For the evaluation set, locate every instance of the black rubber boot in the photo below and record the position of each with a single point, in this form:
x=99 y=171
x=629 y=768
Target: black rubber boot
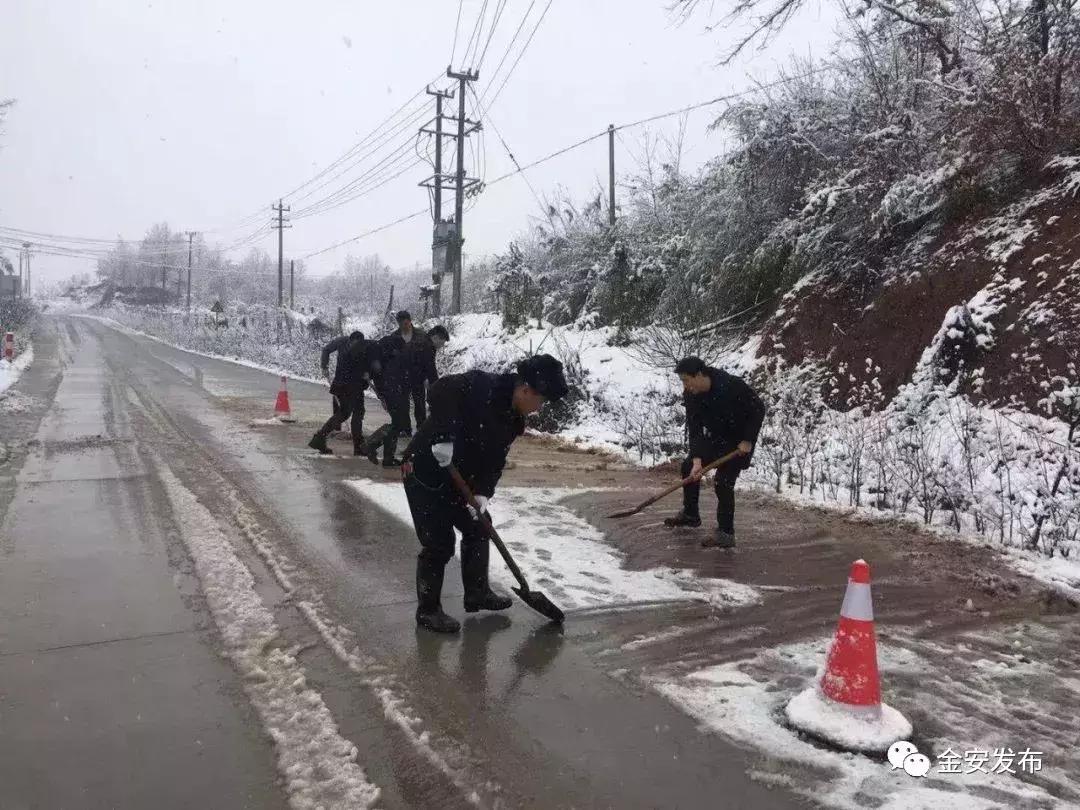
x=429 y=612
x=371 y=446
x=487 y=601
x=318 y=442
x=682 y=519
x=475 y=551
x=719 y=539
x=438 y=622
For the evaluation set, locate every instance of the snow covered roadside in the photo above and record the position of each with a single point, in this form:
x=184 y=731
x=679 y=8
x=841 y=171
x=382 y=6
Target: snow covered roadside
x=11 y=371
x=318 y=765
x=239 y=361
x=744 y=701
x=567 y=557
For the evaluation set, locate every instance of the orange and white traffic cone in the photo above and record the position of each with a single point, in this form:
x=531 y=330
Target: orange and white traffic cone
x=845 y=706
x=281 y=408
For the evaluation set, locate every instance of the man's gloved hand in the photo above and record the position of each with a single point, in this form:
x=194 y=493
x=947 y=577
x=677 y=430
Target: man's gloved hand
x=482 y=502
x=443 y=452
x=326 y=373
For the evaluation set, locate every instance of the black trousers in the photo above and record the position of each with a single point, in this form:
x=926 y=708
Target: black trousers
x=397 y=405
x=344 y=407
x=724 y=485
x=419 y=401
x=436 y=513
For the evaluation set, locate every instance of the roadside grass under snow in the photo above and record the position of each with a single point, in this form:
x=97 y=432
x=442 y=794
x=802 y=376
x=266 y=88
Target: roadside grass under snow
x=10 y=371
x=567 y=557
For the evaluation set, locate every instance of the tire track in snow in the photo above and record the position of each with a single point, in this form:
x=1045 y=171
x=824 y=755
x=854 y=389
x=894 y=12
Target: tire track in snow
x=449 y=757
x=318 y=764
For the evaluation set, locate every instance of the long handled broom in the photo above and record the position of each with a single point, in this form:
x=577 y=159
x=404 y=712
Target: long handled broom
x=689 y=479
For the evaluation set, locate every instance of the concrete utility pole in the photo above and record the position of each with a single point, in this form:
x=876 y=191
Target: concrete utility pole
x=611 y=174
x=459 y=186
x=190 y=239
x=26 y=247
x=21 y=282
x=438 y=241
x=292 y=284
x=281 y=210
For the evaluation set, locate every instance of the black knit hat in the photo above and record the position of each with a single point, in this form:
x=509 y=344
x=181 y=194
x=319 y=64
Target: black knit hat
x=545 y=374
x=403 y=316
x=356 y=336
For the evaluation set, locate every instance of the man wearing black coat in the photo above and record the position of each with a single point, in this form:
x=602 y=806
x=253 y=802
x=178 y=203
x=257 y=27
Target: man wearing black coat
x=393 y=386
x=474 y=419
x=723 y=414
x=424 y=372
x=356 y=362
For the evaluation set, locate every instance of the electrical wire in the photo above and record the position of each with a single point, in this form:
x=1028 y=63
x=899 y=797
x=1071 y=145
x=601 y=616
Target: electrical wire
x=521 y=54
x=457 y=26
x=510 y=46
x=495 y=24
x=475 y=38
x=371 y=232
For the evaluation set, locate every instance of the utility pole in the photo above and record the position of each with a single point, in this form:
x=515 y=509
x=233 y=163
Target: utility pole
x=460 y=185
x=26 y=247
x=292 y=284
x=281 y=210
x=611 y=174
x=22 y=283
x=439 y=240
x=190 y=238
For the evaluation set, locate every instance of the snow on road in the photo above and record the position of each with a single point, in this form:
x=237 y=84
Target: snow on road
x=566 y=557
x=744 y=700
x=316 y=762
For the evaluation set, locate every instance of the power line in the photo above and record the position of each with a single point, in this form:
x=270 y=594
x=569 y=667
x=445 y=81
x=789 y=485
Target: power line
x=510 y=46
x=457 y=26
x=475 y=38
x=372 y=232
x=522 y=53
x=495 y=24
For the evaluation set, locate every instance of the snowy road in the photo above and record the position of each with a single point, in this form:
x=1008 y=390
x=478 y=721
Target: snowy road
x=198 y=612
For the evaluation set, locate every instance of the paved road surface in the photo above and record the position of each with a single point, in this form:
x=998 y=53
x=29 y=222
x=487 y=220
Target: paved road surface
x=113 y=688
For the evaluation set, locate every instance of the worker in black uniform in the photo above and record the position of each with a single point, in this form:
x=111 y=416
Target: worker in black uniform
x=393 y=385
x=723 y=414
x=424 y=372
x=357 y=361
x=474 y=419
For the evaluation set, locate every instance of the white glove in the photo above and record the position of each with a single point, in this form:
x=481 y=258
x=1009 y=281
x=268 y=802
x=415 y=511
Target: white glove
x=482 y=502
x=443 y=452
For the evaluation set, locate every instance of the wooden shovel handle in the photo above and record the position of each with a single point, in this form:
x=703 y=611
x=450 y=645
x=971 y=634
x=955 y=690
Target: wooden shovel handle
x=485 y=523
x=684 y=482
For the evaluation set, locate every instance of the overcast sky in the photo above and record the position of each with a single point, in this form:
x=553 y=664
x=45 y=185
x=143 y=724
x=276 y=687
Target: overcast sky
x=202 y=113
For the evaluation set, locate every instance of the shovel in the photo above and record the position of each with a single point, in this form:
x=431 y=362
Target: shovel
x=534 y=599
x=688 y=480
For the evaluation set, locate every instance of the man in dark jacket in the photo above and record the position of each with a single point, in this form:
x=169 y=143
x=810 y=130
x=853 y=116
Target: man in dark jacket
x=393 y=386
x=356 y=362
x=424 y=372
x=723 y=414
x=474 y=419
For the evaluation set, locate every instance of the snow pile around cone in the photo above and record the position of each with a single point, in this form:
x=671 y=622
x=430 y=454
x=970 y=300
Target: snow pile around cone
x=844 y=707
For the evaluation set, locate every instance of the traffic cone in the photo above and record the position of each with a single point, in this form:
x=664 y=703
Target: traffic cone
x=281 y=408
x=845 y=706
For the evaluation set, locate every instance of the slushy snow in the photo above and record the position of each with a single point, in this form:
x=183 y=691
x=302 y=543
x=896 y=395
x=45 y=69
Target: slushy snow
x=566 y=557
x=871 y=732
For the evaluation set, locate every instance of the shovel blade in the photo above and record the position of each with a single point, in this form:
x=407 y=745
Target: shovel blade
x=622 y=514
x=541 y=604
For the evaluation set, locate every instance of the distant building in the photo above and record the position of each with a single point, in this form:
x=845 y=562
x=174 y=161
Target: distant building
x=10 y=287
